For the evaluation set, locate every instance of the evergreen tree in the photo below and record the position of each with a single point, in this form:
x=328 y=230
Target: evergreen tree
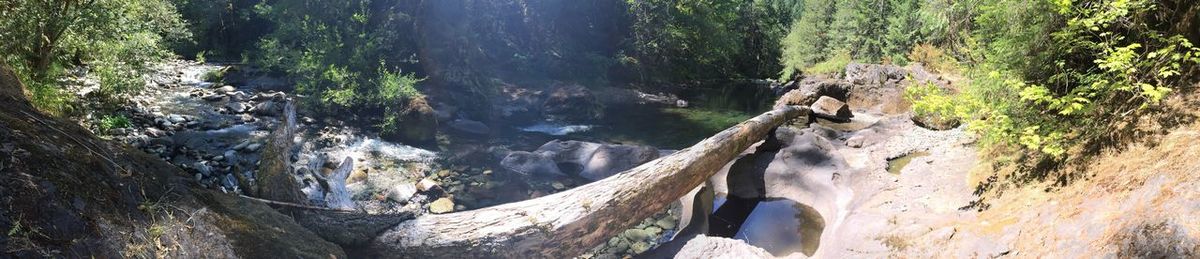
x=806 y=41
x=903 y=30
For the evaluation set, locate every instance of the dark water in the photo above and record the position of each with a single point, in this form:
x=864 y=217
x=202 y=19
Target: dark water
x=711 y=109
x=780 y=226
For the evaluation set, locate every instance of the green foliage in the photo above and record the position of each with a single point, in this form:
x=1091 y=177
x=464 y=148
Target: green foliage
x=117 y=39
x=1059 y=74
x=113 y=122
x=870 y=31
x=834 y=65
x=899 y=33
x=808 y=38
x=933 y=58
x=336 y=52
x=689 y=40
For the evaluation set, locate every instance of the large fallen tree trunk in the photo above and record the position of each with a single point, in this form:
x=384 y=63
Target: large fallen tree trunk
x=569 y=223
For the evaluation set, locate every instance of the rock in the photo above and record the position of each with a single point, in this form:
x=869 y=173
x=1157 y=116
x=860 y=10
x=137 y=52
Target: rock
x=470 y=127
x=155 y=133
x=276 y=96
x=558 y=186
x=637 y=234
x=236 y=107
x=241 y=146
x=225 y=89
x=402 y=192
x=267 y=108
x=357 y=176
x=639 y=247
x=666 y=223
x=654 y=229
x=426 y=184
x=572 y=103
x=253 y=147
x=230 y=182
x=831 y=109
x=874 y=74
x=176 y=118
x=442 y=205
x=215 y=97
x=595 y=161
x=718 y=247
x=230 y=156
x=528 y=163
x=416 y=124
x=809 y=90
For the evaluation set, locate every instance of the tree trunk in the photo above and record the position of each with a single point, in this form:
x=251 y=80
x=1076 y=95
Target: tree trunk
x=274 y=179
x=569 y=223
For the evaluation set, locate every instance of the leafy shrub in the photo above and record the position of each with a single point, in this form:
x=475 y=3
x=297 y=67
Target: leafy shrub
x=933 y=58
x=113 y=122
x=836 y=64
x=117 y=39
x=1106 y=63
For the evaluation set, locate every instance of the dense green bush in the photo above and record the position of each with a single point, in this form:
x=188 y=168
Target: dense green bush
x=117 y=39
x=1055 y=75
x=678 y=40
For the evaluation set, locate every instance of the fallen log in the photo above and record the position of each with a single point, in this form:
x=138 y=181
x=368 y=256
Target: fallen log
x=569 y=223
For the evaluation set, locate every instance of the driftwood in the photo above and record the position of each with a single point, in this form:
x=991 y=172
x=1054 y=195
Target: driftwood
x=569 y=223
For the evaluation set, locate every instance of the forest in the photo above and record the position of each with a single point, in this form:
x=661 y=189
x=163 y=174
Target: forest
x=451 y=113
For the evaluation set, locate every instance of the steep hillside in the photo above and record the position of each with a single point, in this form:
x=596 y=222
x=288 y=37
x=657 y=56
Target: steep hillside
x=66 y=193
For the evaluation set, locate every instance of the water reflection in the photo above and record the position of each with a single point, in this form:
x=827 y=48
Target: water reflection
x=779 y=226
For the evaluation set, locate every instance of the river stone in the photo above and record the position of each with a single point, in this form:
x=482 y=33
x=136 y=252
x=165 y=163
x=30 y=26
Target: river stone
x=638 y=234
x=214 y=97
x=176 y=118
x=665 y=223
x=528 y=163
x=226 y=89
x=236 y=107
x=639 y=247
x=402 y=192
x=267 y=108
x=229 y=182
x=242 y=145
x=230 y=156
x=253 y=147
x=426 y=184
x=443 y=205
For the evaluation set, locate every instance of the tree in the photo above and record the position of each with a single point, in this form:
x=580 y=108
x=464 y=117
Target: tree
x=808 y=38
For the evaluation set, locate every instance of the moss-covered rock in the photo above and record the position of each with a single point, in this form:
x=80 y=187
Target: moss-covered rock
x=416 y=123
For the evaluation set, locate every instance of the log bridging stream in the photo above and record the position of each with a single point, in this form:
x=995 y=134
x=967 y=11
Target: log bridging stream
x=569 y=223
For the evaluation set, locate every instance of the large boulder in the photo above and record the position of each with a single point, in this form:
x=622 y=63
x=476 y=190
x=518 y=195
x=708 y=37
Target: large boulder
x=572 y=103
x=831 y=109
x=874 y=74
x=591 y=161
x=809 y=90
x=531 y=163
x=595 y=161
x=415 y=124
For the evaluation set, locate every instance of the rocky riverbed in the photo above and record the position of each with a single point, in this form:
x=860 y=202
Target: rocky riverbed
x=819 y=172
